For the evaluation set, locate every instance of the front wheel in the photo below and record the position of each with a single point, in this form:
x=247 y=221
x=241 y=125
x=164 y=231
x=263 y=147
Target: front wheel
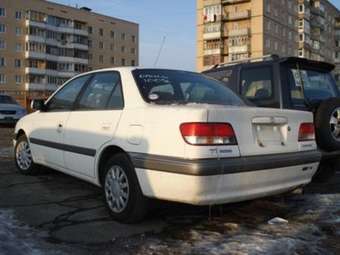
x=123 y=195
x=23 y=157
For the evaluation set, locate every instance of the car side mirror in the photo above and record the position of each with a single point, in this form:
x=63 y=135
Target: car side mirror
x=38 y=105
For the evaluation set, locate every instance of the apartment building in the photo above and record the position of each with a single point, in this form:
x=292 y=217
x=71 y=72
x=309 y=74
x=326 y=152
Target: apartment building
x=42 y=44
x=230 y=30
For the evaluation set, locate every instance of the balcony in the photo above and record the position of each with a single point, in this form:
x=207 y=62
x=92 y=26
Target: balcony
x=238 y=15
x=41 y=55
x=212 y=31
x=234 y=1
x=40 y=86
x=238 y=49
x=59 y=29
x=239 y=32
x=56 y=73
x=210 y=36
x=216 y=51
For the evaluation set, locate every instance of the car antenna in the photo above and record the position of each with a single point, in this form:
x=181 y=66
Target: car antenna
x=160 y=51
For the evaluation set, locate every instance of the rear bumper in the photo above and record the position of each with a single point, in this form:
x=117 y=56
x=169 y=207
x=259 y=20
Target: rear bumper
x=233 y=180
x=209 y=167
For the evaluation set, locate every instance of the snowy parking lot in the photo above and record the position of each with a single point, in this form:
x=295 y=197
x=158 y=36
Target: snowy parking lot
x=56 y=214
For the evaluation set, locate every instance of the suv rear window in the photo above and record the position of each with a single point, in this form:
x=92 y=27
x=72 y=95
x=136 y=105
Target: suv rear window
x=257 y=83
x=311 y=85
x=179 y=87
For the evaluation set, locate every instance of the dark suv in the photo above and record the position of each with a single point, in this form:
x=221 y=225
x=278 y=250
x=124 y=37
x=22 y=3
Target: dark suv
x=291 y=83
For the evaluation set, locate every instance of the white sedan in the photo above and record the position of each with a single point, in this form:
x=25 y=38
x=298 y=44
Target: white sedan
x=165 y=134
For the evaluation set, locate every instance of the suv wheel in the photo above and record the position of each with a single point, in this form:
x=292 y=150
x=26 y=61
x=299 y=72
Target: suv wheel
x=123 y=195
x=23 y=157
x=327 y=123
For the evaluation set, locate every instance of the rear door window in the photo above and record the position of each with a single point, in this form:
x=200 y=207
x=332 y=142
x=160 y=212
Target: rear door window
x=102 y=93
x=257 y=83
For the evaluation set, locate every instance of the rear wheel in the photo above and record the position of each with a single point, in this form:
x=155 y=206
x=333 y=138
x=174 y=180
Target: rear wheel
x=327 y=123
x=123 y=195
x=23 y=157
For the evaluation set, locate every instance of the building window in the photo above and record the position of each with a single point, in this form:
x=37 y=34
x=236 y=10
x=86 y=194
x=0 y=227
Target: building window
x=301 y=37
x=133 y=38
x=2 y=62
x=133 y=51
x=90 y=30
x=101 y=45
x=18 y=79
x=267 y=43
x=123 y=49
x=18 y=31
x=300 y=53
x=2 y=28
x=2 y=12
x=133 y=62
x=113 y=60
x=90 y=44
x=112 y=34
x=18 y=47
x=101 y=32
x=101 y=59
x=18 y=15
x=90 y=56
x=123 y=36
x=2 y=44
x=2 y=78
x=301 y=8
x=123 y=61
x=17 y=63
x=112 y=46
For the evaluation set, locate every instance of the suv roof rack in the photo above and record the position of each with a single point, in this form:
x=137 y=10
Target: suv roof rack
x=247 y=60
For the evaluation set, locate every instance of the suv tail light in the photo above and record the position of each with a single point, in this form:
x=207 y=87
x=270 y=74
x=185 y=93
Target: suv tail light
x=208 y=133
x=306 y=132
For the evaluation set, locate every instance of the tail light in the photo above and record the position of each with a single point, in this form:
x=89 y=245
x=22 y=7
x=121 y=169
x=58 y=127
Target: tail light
x=208 y=133
x=306 y=132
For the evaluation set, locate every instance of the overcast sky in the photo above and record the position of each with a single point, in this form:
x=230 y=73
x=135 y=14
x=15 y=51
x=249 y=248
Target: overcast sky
x=175 y=19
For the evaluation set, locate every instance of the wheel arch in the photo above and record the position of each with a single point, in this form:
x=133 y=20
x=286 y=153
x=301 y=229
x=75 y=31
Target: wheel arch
x=19 y=133
x=105 y=154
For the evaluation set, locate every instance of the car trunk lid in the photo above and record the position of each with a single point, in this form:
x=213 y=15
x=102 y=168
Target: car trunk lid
x=263 y=130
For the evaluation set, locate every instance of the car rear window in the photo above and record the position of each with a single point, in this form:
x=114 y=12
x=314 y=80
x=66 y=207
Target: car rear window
x=180 y=87
x=311 y=84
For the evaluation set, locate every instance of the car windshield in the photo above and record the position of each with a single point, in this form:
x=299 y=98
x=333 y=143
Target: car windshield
x=311 y=85
x=7 y=100
x=180 y=87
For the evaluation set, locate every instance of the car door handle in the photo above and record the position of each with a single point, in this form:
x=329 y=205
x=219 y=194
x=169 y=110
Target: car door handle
x=106 y=125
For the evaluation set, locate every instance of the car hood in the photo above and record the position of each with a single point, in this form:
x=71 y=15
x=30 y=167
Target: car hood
x=11 y=107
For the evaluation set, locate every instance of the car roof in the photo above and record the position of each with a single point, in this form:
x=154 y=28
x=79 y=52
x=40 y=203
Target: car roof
x=128 y=68
x=289 y=60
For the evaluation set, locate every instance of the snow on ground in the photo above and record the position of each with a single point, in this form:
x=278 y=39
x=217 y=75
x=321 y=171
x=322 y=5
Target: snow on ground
x=252 y=235
x=18 y=239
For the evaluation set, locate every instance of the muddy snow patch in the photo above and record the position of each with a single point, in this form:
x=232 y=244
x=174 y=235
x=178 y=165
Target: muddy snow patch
x=19 y=239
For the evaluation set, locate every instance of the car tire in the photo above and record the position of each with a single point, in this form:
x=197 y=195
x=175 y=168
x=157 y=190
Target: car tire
x=122 y=193
x=327 y=125
x=23 y=157
x=325 y=172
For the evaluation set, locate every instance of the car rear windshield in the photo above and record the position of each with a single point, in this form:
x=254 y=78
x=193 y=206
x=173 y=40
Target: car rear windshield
x=181 y=87
x=311 y=84
x=7 y=100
